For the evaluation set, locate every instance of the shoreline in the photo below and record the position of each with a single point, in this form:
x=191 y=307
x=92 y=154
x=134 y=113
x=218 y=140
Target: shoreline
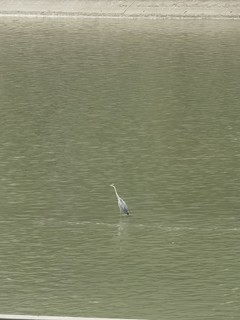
x=31 y=317
x=138 y=9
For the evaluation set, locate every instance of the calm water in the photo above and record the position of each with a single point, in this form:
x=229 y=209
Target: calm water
x=152 y=106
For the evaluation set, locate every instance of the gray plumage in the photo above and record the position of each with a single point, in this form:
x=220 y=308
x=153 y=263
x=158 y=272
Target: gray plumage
x=121 y=203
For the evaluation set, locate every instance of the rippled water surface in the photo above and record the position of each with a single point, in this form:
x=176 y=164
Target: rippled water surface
x=152 y=106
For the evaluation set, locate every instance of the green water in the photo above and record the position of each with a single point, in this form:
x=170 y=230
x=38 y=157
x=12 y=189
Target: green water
x=152 y=106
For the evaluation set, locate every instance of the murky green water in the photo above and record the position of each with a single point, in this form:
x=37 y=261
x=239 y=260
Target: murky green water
x=152 y=106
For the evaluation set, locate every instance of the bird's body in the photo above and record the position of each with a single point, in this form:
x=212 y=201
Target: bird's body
x=121 y=203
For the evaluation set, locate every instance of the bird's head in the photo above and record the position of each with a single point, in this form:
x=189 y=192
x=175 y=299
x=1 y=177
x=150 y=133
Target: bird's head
x=112 y=185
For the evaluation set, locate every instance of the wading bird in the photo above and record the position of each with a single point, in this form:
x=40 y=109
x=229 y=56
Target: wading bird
x=121 y=203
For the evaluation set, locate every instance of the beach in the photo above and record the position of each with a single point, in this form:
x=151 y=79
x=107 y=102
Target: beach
x=152 y=9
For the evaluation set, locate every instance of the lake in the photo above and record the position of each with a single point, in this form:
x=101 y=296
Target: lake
x=151 y=106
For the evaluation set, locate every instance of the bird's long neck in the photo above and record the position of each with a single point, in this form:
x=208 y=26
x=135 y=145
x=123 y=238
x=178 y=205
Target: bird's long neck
x=116 y=191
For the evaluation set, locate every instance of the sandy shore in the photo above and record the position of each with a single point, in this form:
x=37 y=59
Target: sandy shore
x=30 y=317
x=123 y=9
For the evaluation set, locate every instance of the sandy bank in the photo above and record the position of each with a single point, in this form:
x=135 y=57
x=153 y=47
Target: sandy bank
x=30 y=317
x=124 y=8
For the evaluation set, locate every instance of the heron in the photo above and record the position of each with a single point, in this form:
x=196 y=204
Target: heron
x=121 y=203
